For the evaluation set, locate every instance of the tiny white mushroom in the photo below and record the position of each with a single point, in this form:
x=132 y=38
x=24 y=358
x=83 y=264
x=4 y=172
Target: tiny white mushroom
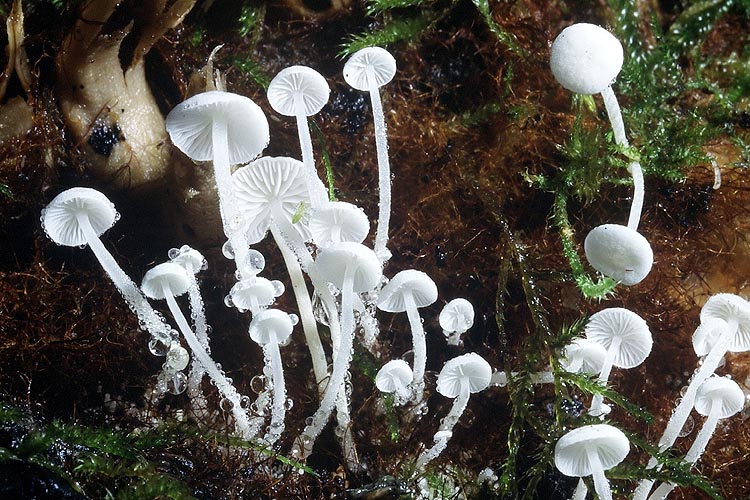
x=252 y=294
x=589 y=451
x=369 y=69
x=337 y=222
x=456 y=317
x=619 y=252
x=394 y=378
x=583 y=355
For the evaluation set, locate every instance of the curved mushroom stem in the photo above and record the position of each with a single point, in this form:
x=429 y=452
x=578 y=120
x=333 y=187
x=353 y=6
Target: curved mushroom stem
x=135 y=299
x=225 y=388
x=197 y=399
x=315 y=188
x=580 y=491
x=445 y=430
x=598 y=399
x=618 y=128
x=420 y=348
x=384 y=170
x=601 y=483
x=278 y=408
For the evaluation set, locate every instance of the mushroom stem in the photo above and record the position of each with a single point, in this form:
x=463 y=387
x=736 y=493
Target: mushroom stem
x=315 y=189
x=420 y=348
x=580 y=491
x=445 y=430
x=601 y=483
x=384 y=169
x=197 y=399
x=278 y=409
x=618 y=128
x=598 y=399
x=130 y=292
x=225 y=388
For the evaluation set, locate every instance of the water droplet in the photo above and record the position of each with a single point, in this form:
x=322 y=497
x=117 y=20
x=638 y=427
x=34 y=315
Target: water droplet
x=288 y=404
x=157 y=347
x=177 y=383
x=177 y=357
x=278 y=287
x=687 y=428
x=227 y=251
x=294 y=319
x=228 y=301
x=258 y=384
x=173 y=253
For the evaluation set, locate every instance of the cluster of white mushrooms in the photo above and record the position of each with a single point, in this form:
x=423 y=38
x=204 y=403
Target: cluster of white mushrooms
x=322 y=244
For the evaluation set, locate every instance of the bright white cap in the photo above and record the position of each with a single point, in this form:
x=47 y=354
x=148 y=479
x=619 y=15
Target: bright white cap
x=585 y=58
x=60 y=217
x=466 y=372
x=457 y=316
x=720 y=391
x=298 y=90
x=394 y=376
x=332 y=263
x=623 y=330
x=707 y=334
x=607 y=443
x=270 y=326
x=731 y=308
x=583 y=355
x=257 y=289
x=619 y=252
x=264 y=182
x=412 y=283
x=338 y=221
x=168 y=274
x=371 y=65
x=190 y=126
x=189 y=258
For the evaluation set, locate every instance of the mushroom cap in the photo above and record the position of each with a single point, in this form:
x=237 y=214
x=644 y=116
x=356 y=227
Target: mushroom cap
x=260 y=184
x=619 y=252
x=167 y=273
x=415 y=283
x=616 y=322
x=456 y=316
x=469 y=371
x=394 y=375
x=730 y=307
x=585 y=58
x=333 y=261
x=190 y=126
x=270 y=326
x=60 y=221
x=338 y=221
x=722 y=391
x=583 y=355
x=189 y=258
x=608 y=443
x=298 y=84
x=381 y=63
x=257 y=287
x=706 y=335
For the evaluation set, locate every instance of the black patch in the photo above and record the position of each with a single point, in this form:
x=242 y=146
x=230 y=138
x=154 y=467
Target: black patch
x=103 y=138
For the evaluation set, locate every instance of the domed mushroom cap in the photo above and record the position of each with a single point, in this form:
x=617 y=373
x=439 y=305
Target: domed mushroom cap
x=270 y=326
x=585 y=58
x=583 y=355
x=466 y=372
x=190 y=126
x=572 y=450
x=333 y=261
x=60 y=217
x=170 y=274
x=258 y=288
x=707 y=334
x=189 y=258
x=412 y=282
x=264 y=182
x=457 y=316
x=634 y=337
x=619 y=252
x=719 y=391
x=393 y=376
x=370 y=62
x=730 y=308
x=338 y=221
x=298 y=86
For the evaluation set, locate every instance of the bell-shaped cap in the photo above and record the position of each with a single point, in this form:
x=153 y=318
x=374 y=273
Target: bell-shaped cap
x=720 y=391
x=409 y=282
x=189 y=258
x=583 y=355
x=338 y=221
x=586 y=58
x=60 y=217
x=298 y=90
x=457 y=316
x=707 y=334
x=369 y=63
x=731 y=308
x=634 y=339
x=265 y=182
x=257 y=289
x=270 y=326
x=609 y=444
x=468 y=372
x=619 y=252
x=168 y=274
x=332 y=264
x=394 y=376
x=190 y=126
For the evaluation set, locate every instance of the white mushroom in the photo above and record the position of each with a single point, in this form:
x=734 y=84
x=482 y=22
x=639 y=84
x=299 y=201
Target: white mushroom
x=394 y=378
x=337 y=222
x=456 y=317
x=619 y=252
